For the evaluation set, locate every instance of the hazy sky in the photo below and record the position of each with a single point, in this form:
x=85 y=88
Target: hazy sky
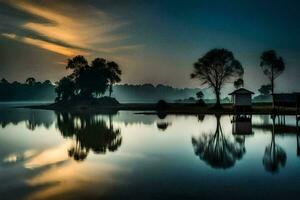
x=153 y=41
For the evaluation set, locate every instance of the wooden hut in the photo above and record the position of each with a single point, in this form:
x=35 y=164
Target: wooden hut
x=242 y=99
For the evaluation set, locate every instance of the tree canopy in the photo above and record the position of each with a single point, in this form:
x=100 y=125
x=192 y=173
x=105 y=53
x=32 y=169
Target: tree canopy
x=88 y=80
x=217 y=67
x=200 y=95
x=265 y=90
x=272 y=66
x=238 y=83
x=30 y=81
x=65 y=89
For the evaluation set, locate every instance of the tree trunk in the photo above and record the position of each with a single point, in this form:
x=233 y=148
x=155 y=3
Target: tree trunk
x=110 y=89
x=218 y=117
x=272 y=80
x=110 y=123
x=218 y=102
x=272 y=85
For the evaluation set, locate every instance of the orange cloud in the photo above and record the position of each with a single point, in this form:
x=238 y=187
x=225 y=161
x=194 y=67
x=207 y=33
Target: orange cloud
x=52 y=47
x=83 y=29
x=45 y=45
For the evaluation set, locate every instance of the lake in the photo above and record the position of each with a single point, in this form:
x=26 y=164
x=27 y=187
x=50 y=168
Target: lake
x=51 y=155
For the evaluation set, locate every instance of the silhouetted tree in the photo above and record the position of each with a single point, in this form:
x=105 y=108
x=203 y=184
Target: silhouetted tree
x=47 y=83
x=238 y=83
x=96 y=77
x=77 y=64
x=114 y=74
x=200 y=95
x=200 y=100
x=274 y=156
x=65 y=89
x=4 y=81
x=30 y=81
x=265 y=90
x=93 y=79
x=272 y=66
x=216 y=149
x=217 y=67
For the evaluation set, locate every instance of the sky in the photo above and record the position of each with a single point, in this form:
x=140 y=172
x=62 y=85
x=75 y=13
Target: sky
x=153 y=41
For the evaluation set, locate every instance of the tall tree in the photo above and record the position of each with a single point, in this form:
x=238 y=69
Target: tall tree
x=217 y=67
x=272 y=66
x=114 y=73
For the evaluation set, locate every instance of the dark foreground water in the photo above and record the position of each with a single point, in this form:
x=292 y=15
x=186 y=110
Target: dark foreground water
x=48 y=155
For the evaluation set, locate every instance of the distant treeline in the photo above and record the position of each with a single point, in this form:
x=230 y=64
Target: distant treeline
x=32 y=90
x=150 y=93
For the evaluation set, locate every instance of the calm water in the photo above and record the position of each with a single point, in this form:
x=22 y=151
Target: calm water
x=48 y=155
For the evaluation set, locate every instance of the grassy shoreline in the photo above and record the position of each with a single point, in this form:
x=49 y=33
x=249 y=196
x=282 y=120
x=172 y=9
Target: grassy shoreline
x=172 y=108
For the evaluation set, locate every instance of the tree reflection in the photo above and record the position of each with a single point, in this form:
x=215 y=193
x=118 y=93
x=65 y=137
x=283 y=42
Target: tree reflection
x=77 y=152
x=32 y=118
x=162 y=126
x=298 y=144
x=275 y=156
x=91 y=133
x=218 y=150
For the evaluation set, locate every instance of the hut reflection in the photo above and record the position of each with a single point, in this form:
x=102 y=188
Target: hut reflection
x=242 y=125
x=241 y=128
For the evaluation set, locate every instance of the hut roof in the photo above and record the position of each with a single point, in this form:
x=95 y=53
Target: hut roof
x=241 y=91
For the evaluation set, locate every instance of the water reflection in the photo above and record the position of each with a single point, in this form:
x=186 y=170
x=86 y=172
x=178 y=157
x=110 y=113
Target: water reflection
x=275 y=156
x=44 y=162
x=91 y=133
x=242 y=125
x=162 y=126
x=298 y=144
x=32 y=119
x=218 y=150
